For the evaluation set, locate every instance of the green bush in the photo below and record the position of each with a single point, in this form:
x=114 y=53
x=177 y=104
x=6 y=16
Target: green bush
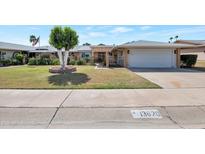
x=19 y=57
x=72 y=62
x=5 y=62
x=55 y=61
x=188 y=60
x=80 y=62
x=32 y=61
x=43 y=61
x=15 y=61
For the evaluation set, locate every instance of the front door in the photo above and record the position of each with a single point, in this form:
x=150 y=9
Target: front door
x=101 y=57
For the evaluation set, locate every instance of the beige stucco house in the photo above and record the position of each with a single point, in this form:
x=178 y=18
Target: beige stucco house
x=141 y=54
x=199 y=51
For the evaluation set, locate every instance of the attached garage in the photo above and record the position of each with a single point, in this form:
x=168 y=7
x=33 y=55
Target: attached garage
x=152 y=58
x=149 y=54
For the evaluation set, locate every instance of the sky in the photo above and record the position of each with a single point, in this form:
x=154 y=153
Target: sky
x=106 y=34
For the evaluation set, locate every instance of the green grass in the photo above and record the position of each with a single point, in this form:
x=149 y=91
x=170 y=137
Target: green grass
x=86 y=77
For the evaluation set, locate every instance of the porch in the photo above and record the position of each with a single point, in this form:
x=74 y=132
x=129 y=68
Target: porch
x=109 y=56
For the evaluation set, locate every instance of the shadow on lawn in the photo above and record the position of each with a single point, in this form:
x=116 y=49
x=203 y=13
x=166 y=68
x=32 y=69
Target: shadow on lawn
x=68 y=79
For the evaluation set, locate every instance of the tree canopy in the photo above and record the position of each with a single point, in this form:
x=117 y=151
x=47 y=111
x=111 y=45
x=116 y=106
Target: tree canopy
x=63 y=38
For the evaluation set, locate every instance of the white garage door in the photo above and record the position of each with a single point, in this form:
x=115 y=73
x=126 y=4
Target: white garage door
x=151 y=58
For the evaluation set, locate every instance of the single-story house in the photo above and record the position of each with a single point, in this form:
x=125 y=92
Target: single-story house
x=42 y=50
x=142 y=54
x=200 y=51
x=139 y=54
x=8 y=50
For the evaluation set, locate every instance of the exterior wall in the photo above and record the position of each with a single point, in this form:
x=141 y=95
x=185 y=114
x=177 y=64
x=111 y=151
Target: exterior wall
x=6 y=54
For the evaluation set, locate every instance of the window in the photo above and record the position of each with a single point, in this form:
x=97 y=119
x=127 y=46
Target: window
x=2 y=54
x=85 y=55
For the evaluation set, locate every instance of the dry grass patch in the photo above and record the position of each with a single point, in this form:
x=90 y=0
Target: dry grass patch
x=86 y=77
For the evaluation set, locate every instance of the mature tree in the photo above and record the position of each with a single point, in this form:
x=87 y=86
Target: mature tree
x=176 y=37
x=56 y=37
x=101 y=44
x=86 y=44
x=32 y=39
x=171 y=38
x=70 y=38
x=63 y=39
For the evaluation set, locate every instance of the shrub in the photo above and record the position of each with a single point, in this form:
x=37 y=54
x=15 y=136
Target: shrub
x=87 y=60
x=44 y=61
x=14 y=61
x=32 y=61
x=72 y=62
x=5 y=62
x=19 y=57
x=188 y=60
x=80 y=62
x=55 y=61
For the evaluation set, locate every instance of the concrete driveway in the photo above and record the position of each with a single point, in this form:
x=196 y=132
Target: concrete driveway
x=173 y=78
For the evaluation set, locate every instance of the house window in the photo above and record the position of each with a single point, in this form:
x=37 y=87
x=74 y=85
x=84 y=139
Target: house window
x=85 y=55
x=2 y=54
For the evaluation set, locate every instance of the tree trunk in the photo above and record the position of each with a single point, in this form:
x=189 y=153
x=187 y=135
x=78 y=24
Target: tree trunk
x=63 y=57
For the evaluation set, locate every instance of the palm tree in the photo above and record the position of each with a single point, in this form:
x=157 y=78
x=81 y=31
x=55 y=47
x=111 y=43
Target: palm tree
x=176 y=37
x=171 y=38
x=32 y=39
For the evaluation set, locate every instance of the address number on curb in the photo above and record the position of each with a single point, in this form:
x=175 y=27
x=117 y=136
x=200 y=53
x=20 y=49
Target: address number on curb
x=146 y=114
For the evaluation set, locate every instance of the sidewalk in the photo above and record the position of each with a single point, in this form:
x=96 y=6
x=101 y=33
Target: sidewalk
x=180 y=108
x=102 y=98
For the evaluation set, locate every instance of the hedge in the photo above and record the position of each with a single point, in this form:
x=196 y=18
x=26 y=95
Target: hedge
x=188 y=60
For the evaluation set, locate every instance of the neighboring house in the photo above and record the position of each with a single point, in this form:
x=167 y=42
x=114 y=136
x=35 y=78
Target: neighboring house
x=42 y=50
x=199 y=52
x=8 y=50
x=80 y=52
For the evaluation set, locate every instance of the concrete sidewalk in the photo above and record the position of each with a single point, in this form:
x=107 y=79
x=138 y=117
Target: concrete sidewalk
x=102 y=98
x=180 y=108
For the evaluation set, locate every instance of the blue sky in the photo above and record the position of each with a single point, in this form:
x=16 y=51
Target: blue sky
x=107 y=34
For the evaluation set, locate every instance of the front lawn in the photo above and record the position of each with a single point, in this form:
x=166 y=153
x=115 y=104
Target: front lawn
x=85 y=77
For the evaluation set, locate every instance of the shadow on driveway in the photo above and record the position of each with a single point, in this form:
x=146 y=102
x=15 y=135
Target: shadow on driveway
x=68 y=79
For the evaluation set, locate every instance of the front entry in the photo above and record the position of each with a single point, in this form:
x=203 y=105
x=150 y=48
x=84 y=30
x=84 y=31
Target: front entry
x=101 y=57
